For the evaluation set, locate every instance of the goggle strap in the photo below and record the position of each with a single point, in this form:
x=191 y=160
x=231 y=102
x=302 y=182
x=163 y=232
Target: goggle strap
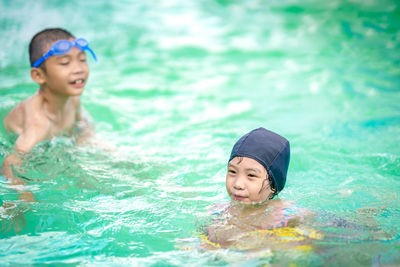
x=43 y=58
x=91 y=52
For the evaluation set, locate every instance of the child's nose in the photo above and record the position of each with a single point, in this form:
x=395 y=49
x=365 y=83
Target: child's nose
x=239 y=183
x=78 y=67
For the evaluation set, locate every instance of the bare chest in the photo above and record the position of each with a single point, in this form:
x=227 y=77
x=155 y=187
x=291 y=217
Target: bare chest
x=62 y=125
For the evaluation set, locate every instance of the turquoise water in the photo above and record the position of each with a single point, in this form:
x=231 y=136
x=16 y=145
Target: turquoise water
x=176 y=84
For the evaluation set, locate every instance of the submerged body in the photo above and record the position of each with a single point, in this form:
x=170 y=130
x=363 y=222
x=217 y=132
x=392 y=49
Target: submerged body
x=276 y=225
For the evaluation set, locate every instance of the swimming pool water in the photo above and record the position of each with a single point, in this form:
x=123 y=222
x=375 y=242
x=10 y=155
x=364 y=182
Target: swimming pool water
x=176 y=84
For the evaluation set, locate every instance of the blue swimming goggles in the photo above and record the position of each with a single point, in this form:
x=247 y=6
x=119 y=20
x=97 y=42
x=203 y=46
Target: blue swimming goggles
x=62 y=47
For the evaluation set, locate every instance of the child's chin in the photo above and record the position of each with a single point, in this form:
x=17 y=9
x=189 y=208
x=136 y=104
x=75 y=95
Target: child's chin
x=76 y=91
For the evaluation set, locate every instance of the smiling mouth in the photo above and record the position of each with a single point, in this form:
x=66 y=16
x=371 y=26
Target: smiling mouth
x=237 y=197
x=80 y=81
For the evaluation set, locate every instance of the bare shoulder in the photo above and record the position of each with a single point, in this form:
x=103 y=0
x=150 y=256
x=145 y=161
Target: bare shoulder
x=14 y=120
x=29 y=122
x=288 y=207
x=34 y=114
x=281 y=204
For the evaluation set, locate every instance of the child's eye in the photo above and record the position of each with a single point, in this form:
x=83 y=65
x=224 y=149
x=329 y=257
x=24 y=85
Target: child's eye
x=64 y=63
x=232 y=171
x=251 y=176
x=82 y=57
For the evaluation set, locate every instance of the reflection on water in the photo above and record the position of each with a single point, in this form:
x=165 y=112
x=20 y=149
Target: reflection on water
x=175 y=85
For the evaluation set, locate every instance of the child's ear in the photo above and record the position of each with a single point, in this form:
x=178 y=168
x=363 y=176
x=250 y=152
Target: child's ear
x=38 y=75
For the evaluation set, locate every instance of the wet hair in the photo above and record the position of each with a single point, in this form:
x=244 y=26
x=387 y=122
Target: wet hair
x=268 y=178
x=39 y=42
x=271 y=185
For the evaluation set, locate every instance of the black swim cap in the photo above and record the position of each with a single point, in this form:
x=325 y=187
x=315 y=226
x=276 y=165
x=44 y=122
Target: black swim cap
x=270 y=149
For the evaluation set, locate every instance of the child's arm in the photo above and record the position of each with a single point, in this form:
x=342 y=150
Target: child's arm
x=10 y=169
x=13 y=162
x=207 y=239
x=33 y=131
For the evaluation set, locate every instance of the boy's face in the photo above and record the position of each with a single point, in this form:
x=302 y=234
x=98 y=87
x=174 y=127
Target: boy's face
x=246 y=181
x=66 y=74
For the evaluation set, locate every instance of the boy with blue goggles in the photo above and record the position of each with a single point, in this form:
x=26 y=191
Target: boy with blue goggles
x=55 y=109
x=62 y=47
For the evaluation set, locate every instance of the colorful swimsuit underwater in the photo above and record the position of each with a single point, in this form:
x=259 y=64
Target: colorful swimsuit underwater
x=280 y=237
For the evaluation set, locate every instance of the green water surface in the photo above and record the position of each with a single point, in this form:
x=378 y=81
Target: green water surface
x=176 y=84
